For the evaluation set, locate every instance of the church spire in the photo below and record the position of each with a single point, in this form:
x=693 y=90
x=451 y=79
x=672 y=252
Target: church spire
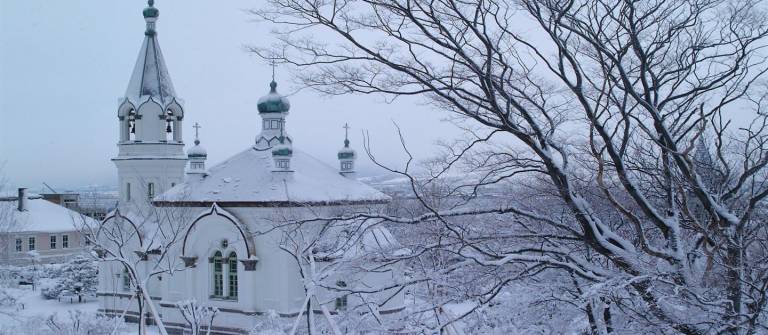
x=150 y=78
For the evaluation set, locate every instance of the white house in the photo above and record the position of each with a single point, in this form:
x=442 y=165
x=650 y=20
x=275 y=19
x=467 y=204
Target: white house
x=35 y=230
x=234 y=254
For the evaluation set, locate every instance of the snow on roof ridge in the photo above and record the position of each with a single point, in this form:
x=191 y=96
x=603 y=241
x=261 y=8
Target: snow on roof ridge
x=248 y=177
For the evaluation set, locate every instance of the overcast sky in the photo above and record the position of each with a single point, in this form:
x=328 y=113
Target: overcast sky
x=64 y=64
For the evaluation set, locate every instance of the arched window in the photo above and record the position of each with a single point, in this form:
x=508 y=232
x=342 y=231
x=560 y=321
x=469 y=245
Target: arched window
x=169 y=127
x=232 y=276
x=218 y=276
x=131 y=125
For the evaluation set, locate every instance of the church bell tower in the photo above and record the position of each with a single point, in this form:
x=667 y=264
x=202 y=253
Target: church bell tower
x=151 y=156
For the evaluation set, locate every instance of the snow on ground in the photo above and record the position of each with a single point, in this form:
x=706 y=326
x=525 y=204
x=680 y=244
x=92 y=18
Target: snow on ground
x=32 y=305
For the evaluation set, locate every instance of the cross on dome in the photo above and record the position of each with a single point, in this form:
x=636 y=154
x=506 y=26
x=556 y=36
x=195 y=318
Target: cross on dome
x=197 y=127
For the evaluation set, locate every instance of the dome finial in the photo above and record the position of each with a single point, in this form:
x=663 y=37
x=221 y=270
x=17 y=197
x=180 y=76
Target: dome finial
x=197 y=127
x=150 y=15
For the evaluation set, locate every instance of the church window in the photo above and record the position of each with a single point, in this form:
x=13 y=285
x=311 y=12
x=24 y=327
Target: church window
x=31 y=243
x=218 y=278
x=150 y=190
x=341 y=302
x=128 y=191
x=53 y=241
x=232 y=276
x=126 y=280
x=18 y=245
x=65 y=241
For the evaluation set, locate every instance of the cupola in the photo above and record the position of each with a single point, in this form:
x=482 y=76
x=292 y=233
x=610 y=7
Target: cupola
x=346 y=156
x=273 y=108
x=197 y=155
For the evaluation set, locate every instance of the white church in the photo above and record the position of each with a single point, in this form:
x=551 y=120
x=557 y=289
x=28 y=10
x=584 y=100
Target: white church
x=240 y=249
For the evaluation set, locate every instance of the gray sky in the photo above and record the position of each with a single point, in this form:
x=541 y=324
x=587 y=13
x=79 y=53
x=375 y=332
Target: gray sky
x=64 y=64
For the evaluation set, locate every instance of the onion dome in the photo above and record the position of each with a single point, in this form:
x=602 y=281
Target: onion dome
x=346 y=152
x=273 y=102
x=197 y=151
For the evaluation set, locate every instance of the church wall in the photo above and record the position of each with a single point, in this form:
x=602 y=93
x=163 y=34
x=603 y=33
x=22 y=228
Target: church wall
x=163 y=173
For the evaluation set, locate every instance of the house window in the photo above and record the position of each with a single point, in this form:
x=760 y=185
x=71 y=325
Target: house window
x=53 y=241
x=218 y=276
x=18 y=245
x=128 y=191
x=346 y=166
x=232 y=276
x=150 y=190
x=341 y=302
x=65 y=241
x=126 y=280
x=31 y=243
x=87 y=239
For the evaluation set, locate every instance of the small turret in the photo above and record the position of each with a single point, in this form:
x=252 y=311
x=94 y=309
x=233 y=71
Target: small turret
x=273 y=108
x=281 y=154
x=197 y=155
x=347 y=156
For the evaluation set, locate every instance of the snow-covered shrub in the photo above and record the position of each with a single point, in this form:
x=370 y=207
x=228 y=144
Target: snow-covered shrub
x=80 y=275
x=81 y=323
x=49 y=288
x=269 y=324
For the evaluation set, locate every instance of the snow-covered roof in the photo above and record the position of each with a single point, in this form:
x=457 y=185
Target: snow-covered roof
x=42 y=216
x=248 y=178
x=150 y=78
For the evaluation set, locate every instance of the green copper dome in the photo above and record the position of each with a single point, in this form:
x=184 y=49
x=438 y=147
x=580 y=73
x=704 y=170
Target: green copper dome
x=273 y=102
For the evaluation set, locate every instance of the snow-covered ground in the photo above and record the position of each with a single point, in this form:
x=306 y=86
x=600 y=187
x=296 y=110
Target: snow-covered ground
x=32 y=310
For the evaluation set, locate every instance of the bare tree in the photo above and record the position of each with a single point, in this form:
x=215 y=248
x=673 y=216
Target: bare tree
x=197 y=316
x=618 y=111
x=140 y=241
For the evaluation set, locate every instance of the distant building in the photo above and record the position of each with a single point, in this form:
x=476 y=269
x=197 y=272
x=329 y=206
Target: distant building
x=95 y=205
x=68 y=200
x=34 y=230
